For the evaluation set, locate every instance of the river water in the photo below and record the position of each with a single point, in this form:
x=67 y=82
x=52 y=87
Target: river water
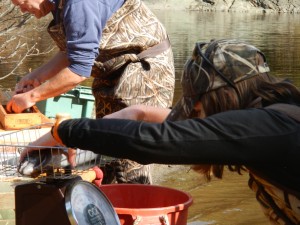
x=227 y=201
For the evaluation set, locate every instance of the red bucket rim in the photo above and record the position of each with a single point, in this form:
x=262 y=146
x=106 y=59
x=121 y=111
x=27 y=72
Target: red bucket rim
x=158 y=210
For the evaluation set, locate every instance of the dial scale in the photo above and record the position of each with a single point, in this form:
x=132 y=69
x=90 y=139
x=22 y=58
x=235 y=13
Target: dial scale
x=63 y=202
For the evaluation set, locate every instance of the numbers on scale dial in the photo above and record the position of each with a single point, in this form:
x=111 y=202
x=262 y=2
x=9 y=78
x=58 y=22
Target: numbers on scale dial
x=91 y=207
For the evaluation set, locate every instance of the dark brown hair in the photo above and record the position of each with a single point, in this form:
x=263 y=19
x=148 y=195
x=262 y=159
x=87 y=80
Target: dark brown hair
x=258 y=91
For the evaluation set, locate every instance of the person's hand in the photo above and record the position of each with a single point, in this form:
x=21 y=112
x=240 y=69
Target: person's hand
x=26 y=84
x=22 y=99
x=72 y=156
x=19 y=103
x=29 y=151
x=45 y=140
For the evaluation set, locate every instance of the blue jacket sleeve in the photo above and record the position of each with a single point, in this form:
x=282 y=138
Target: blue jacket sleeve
x=84 y=21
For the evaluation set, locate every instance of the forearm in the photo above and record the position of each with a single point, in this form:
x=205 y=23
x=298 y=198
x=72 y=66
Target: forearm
x=153 y=114
x=141 y=113
x=62 y=82
x=51 y=68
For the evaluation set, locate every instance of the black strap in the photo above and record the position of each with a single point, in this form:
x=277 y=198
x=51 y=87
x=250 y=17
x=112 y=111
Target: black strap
x=155 y=50
x=118 y=62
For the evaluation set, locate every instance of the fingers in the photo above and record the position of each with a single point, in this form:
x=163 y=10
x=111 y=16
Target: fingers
x=19 y=88
x=22 y=89
x=23 y=154
x=28 y=88
x=12 y=107
x=9 y=107
x=72 y=157
x=19 y=103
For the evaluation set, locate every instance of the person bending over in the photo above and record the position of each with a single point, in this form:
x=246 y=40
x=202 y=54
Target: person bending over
x=121 y=44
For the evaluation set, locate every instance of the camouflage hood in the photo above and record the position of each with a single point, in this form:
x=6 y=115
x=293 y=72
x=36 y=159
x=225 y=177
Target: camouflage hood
x=214 y=65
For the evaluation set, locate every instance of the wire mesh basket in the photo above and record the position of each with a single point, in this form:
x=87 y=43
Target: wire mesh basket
x=45 y=161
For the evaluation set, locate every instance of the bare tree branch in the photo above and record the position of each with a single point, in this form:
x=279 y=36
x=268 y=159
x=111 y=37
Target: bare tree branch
x=20 y=40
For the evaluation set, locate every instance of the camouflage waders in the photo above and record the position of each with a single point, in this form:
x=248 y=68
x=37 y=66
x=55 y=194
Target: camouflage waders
x=135 y=66
x=281 y=207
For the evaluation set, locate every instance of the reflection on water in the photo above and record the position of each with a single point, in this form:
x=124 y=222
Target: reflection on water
x=277 y=35
x=228 y=201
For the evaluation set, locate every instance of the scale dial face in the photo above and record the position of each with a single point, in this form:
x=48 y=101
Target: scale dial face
x=87 y=205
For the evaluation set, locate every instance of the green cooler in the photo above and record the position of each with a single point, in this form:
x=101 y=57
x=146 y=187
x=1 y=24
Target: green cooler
x=78 y=102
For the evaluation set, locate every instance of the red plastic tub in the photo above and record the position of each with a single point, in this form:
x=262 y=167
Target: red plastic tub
x=148 y=204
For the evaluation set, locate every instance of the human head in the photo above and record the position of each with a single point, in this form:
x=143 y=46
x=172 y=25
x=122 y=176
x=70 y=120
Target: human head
x=214 y=65
x=38 y=8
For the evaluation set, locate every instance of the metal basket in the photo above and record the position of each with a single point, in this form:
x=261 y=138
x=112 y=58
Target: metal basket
x=47 y=161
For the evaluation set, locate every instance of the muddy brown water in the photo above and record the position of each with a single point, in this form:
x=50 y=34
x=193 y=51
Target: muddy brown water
x=228 y=201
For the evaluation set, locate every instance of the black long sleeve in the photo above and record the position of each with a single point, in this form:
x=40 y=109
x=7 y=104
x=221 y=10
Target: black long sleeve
x=253 y=136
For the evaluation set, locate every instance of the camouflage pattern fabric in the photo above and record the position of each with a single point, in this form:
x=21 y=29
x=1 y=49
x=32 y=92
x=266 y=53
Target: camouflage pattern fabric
x=126 y=171
x=214 y=65
x=149 y=82
x=121 y=79
x=281 y=207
